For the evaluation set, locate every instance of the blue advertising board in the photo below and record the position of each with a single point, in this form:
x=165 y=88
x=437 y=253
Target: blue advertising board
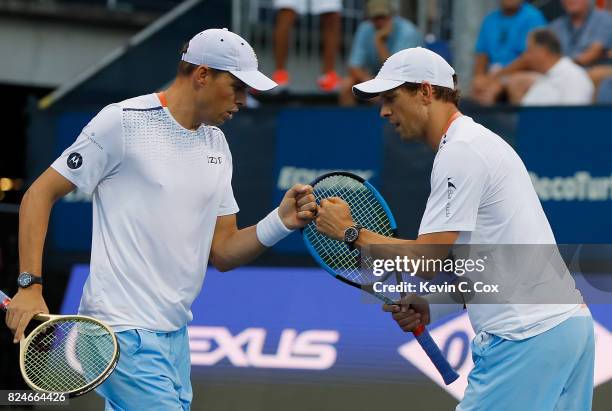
x=567 y=154
x=299 y=324
x=568 y=165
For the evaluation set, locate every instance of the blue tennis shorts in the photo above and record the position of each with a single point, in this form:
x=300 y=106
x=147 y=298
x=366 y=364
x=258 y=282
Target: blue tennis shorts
x=152 y=374
x=551 y=371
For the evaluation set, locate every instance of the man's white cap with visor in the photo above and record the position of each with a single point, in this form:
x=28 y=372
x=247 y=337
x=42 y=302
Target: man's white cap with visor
x=223 y=50
x=413 y=65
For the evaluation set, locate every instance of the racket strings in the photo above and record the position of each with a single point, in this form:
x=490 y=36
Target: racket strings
x=67 y=355
x=366 y=210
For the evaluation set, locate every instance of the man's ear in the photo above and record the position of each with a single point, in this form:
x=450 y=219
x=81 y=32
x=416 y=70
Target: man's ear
x=426 y=92
x=202 y=75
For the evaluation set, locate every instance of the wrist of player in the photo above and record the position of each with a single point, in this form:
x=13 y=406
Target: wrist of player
x=271 y=229
x=439 y=310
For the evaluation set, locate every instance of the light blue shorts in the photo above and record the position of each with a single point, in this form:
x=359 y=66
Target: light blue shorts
x=152 y=374
x=552 y=371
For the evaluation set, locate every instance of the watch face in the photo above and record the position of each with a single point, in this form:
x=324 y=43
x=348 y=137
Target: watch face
x=350 y=235
x=24 y=279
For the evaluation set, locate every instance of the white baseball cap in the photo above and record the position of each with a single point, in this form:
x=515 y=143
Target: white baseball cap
x=223 y=50
x=414 y=65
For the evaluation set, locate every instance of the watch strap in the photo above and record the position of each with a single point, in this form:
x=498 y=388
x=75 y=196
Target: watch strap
x=34 y=279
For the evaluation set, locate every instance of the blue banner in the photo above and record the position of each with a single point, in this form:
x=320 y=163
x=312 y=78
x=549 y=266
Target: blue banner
x=567 y=154
x=300 y=324
x=568 y=165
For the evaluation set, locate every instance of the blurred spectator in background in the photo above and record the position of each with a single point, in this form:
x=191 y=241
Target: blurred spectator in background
x=502 y=39
x=585 y=34
x=330 y=22
x=563 y=82
x=383 y=34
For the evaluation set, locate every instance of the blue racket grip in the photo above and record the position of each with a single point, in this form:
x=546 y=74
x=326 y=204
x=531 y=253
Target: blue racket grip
x=435 y=355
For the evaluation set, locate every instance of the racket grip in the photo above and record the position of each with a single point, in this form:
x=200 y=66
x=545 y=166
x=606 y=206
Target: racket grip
x=435 y=355
x=4 y=301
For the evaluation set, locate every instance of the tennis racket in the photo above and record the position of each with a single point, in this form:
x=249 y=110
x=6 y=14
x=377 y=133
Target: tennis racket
x=70 y=354
x=369 y=209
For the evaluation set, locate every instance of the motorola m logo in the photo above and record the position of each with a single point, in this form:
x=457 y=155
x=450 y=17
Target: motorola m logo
x=289 y=176
x=306 y=350
x=579 y=187
x=74 y=161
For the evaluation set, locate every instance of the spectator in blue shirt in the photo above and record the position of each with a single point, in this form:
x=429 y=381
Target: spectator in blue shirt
x=585 y=34
x=502 y=39
x=382 y=35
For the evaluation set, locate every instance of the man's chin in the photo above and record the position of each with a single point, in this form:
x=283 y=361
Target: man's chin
x=405 y=136
x=216 y=123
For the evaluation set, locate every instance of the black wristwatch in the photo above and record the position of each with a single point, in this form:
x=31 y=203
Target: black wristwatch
x=351 y=235
x=26 y=279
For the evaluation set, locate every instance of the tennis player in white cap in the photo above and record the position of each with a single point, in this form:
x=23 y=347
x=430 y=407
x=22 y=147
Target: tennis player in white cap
x=527 y=356
x=160 y=173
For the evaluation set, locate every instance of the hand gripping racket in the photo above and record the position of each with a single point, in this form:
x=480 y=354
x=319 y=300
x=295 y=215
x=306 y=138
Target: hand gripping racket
x=369 y=209
x=69 y=354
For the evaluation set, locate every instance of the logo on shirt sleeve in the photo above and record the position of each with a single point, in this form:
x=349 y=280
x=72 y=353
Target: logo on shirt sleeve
x=75 y=160
x=450 y=187
x=450 y=190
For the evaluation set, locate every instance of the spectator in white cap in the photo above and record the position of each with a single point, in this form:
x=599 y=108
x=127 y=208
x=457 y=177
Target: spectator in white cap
x=160 y=174
x=481 y=193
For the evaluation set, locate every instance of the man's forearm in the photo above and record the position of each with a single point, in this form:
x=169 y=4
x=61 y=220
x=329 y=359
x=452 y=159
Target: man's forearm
x=590 y=55
x=239 y=248
x=481 y=64
x=33 y=224
x=519 y=64
x=34 y=217
x=388 y=248
x=383 y=50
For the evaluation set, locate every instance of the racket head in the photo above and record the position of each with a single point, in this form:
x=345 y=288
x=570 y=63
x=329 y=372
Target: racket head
x=368 y=208
x=69 y=354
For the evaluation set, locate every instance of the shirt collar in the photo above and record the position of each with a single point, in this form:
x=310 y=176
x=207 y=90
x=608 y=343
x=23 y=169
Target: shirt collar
x=448 y=126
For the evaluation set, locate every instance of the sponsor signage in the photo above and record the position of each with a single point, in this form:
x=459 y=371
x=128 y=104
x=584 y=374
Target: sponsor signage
x=570 y=169
x=298 y=324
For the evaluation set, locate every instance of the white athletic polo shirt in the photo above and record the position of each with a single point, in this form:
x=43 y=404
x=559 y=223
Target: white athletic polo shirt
x=566 y=83
x=157 y=189
x=481 y=188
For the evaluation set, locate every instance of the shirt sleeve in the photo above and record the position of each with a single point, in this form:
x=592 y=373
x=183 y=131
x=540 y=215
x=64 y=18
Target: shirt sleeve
x=536 y=19
x=481 y=41
x=602 y=32
x=228 y=203
x=97 y=152
x=358 y=50
x=458 y=180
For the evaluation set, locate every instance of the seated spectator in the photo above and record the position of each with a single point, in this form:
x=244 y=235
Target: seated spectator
x=330 y=22
x=383 y=34
x=563 y=82
x=585 y=34
x=501 y=41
